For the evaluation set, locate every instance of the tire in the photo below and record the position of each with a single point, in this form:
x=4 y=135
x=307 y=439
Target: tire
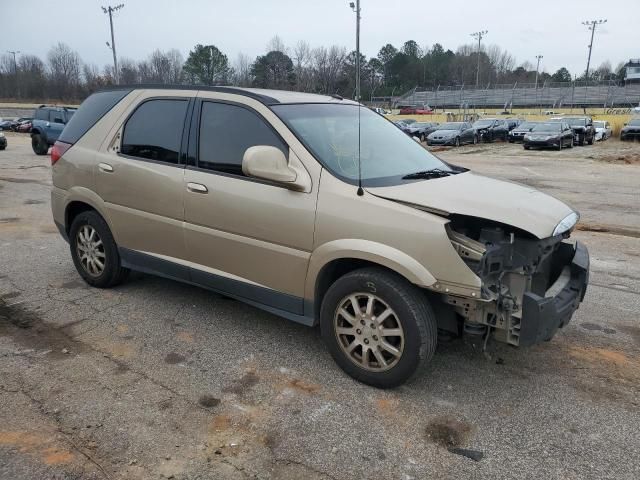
x=590 y=142
x=411 y=314
x=112 y=273
x=581 y=140
x=457 y=144
x=39 y=144
x=571 y=143
x=526 y=147
x=422 y=138
x=475 y=139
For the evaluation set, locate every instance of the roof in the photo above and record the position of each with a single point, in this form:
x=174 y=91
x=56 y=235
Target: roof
x=268 y=97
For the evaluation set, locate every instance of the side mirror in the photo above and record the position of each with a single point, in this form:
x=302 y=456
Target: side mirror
x=268 y=163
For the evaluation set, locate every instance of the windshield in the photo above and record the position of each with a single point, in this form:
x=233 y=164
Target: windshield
x=408 y=121
x=450 y=126
x=483 y=123
x=634 y=123
x=423 y=124
x=577 y=122
x=330 y=132
x=547 y=128
x=598 y=124
x=526 y=125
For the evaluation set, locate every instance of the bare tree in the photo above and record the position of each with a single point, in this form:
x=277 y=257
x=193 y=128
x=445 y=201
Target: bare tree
x=328 y=65
x=302 y=59
x=276 y=45
x=242 y=71
x=64 y=71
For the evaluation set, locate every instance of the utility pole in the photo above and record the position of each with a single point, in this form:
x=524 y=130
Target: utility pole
x=538 y=57
x=110 y=11
x=591 y=25
x=15 y=65
x=479 y=36
x=356 y=8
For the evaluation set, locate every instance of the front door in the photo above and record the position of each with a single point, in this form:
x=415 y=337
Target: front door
x=247 y=237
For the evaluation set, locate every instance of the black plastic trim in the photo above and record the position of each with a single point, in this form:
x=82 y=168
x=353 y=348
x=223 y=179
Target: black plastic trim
x=281 y=304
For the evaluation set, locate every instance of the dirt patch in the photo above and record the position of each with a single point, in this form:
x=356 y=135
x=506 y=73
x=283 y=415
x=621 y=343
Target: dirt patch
x=244 y=383
x=174 y=358
x=208 y=401
x=449 y=431
x=10 y=220
x=632 y=331
x=33 y=202
x=599 y=355
x=220 y=423
x=302 y=386
x=186 y=337
x=39 y=445
x=629 y=159
x=597 y=328
x=613 y=229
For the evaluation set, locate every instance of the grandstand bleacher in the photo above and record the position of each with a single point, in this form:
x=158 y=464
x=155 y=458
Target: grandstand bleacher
x=549 y=95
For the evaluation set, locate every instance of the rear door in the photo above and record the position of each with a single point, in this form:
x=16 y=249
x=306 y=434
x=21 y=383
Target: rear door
x=139 y=175
x=248 y=237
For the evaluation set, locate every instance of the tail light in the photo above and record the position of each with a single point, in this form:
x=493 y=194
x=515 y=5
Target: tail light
x=59 y=149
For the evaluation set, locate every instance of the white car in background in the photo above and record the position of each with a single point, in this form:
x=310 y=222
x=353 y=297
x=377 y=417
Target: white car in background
x=603 y=130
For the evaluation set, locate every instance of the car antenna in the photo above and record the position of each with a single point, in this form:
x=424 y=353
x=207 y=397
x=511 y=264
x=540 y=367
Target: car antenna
x=360 y=190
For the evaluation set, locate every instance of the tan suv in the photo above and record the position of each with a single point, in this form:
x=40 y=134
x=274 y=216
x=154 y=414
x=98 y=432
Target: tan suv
x=317 y=210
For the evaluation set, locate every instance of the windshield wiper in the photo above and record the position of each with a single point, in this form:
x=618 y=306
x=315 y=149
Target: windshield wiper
x=431 y=173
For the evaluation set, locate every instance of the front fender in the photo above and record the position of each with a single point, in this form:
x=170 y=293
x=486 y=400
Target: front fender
x=353 y=248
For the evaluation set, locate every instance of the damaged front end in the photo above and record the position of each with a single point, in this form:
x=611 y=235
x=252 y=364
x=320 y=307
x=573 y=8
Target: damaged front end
x=530 y=286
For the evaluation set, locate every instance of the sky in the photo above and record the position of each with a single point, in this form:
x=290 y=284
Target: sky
x=551 y=28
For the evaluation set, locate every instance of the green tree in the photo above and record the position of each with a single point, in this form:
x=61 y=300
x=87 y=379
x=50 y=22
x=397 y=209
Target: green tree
x=562 y=75
x=206 y=65
x=273 y=70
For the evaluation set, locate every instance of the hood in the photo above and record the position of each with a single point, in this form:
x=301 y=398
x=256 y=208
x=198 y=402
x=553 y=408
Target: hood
x=444 y=133
x=483 y=197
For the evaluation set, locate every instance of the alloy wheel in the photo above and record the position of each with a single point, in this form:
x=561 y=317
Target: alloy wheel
x=369 y=332
x=90 y=250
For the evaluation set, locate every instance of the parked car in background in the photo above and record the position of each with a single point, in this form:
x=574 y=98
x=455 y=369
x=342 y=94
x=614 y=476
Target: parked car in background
x=416 y=111
x=24 y=127
x=513 y=123
x=20 y=121
x=490 y=129
x=421 y=130
x=603 y=129
x=421 y=246
x=380 y=111
x=7 y=124
x=550 y=135
x=631 y=130
x=518 y=133
x=3 y=141
x=453 y=133
x=583 y=129
x=47 y=124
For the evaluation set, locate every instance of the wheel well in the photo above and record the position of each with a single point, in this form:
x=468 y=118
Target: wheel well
x=73 y=210
x=334 y=270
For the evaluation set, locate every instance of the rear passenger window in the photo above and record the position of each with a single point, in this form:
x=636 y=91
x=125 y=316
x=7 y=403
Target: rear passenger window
x=226 y=131
x=154 y=131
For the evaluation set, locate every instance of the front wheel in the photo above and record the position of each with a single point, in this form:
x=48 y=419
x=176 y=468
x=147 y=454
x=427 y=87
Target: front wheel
x=39 y=144
x=475 y=139
x=422 y=138
x=378 y=327
x=457 y=144
x=94 y=251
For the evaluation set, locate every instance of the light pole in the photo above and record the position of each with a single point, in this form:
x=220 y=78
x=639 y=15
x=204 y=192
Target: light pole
x=591 y=25
x=356 y=8
x=109 y=10
x=479 y=36
x=15 y=65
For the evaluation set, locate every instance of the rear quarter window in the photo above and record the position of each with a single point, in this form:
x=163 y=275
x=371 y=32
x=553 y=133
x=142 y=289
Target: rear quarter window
x=91 y=110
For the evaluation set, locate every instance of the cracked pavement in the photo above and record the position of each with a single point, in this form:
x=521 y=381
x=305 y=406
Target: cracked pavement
x=156 y=379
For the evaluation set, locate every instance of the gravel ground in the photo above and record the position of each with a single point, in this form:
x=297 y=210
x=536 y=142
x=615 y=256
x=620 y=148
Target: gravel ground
x=155 y=379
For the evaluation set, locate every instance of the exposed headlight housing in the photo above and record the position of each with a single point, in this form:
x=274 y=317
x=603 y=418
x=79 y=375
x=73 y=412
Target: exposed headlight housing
x=567 y=223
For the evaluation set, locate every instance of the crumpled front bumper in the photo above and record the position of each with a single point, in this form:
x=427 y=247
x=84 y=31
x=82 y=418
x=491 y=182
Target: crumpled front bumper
x=542 y=316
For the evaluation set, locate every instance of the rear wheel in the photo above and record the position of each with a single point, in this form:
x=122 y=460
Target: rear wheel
x=378 y=327
x=39 y=144
x=94 y=251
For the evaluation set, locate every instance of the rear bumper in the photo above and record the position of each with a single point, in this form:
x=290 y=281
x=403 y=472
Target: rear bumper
x=543 y=316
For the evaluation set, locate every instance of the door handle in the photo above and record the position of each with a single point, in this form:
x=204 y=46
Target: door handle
x=197 y=188
x=105 y=167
